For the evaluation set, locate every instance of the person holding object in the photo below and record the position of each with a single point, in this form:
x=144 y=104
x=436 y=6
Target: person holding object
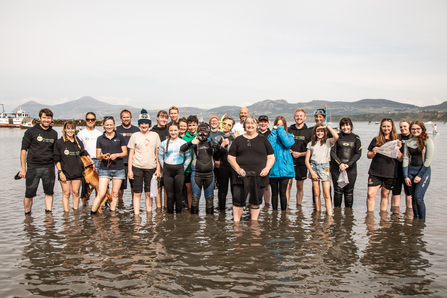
x=317 y=161
x=383 y=169
x=37 y=161
x=251 y=156
x=282 y=170
x=418 y=155
x=344 y=156
x=110 y=150
x=143 y=161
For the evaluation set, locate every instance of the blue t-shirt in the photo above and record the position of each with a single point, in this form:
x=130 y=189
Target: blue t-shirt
x=127 y=133
x=111 y=146
x=174 y=156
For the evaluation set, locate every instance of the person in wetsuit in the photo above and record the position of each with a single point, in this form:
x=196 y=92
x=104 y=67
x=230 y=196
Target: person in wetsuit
x=224 y=167
x=344 y=156
x=204 y=151
x=404 y=136
x=418 y=154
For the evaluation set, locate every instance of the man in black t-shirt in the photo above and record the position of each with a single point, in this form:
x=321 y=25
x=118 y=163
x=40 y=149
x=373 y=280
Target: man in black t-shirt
x=126 y=129
x=302 y=136
x=37 y=162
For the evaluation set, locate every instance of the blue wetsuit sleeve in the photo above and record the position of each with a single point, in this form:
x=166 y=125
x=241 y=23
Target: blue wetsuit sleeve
x=429 y=148
x=357 y=154
x=405 y=161
x=187 y=160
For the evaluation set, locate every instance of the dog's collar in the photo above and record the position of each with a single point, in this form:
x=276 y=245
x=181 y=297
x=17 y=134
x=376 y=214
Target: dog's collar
x=89 y=166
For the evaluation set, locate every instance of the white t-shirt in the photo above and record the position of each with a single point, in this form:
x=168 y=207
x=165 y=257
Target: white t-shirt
x=144 y=146
x=239 y=128
x=320 y=153
x=88 y=138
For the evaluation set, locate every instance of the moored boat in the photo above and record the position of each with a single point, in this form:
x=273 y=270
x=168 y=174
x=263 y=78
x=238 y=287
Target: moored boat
x=12 y=119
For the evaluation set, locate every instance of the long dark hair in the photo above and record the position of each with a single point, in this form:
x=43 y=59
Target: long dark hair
x=314 y=135
x=345 y=121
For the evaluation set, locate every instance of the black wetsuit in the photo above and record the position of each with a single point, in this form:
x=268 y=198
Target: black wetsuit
x=202 y=172
x=225 y=171
x=346 y=150
x=400 y=181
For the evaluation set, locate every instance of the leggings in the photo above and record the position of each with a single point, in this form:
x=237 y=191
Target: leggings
x=173 y=177
x=224 y=176
x=348 y=190
x=418 y=190
x=281 y=185
x=199 y=180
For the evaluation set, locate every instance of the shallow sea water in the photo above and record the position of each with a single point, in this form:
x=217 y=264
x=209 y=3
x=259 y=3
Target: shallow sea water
x=298 y=252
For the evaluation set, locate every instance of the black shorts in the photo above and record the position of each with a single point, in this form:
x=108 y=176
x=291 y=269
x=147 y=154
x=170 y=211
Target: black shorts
x=387 y=183
x=300 y=172
x=187 y=177
x=397 y=190
x=140 y=177
x=239 y=199
x=124 y=183
x=33 y=176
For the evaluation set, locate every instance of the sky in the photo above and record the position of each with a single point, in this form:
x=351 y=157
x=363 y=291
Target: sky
x=155 y=54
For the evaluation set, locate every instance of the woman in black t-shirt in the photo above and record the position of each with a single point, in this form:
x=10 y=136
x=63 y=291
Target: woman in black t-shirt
x=382 y=170
x=251 y=156
x=69 y=166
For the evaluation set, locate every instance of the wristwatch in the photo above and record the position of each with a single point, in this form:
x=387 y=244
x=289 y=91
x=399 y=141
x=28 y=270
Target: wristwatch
x=59 y=171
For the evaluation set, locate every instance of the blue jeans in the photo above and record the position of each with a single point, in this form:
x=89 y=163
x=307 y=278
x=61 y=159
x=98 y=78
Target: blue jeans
x=418 y=190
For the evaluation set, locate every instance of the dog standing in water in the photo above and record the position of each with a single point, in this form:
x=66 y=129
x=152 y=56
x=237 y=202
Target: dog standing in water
x=92 y=180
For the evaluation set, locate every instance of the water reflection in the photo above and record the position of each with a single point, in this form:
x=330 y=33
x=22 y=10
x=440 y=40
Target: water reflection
x=395 y=249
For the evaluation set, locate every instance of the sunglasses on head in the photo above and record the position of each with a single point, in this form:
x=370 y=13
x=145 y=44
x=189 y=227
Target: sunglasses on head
x=173 y=108
x=387 y=119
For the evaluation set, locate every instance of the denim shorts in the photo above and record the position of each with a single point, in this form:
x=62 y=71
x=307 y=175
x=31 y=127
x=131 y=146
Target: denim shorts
x=112 y=174
x=322 y=170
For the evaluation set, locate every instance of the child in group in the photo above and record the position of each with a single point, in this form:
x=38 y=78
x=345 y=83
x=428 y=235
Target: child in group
x=174 y=163
x=192 y=122
x=318 y=157
x=204 y=151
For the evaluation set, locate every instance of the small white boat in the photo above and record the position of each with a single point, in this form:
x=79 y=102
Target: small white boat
x=12 y=119
x=27 y=122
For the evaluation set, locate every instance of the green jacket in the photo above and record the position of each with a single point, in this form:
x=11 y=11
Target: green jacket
x=188 y=137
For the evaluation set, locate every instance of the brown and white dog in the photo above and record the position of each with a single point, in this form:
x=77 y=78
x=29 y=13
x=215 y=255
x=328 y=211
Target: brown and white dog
x=91 y=178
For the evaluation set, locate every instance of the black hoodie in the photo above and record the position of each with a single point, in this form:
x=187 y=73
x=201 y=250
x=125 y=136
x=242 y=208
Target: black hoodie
x=39 y=143
x=162 y=132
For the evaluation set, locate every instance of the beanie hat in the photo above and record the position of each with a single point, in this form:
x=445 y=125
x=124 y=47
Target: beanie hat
x=144 y=117
x=209 y=121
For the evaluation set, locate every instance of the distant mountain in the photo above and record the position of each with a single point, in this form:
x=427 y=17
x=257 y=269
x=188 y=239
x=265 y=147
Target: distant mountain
x=77 y=109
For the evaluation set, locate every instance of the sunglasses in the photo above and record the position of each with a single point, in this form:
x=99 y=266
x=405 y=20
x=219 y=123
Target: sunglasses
x=227 y=124
x=248 y=143
x=90 y=119
x=387 y=119
x=173 y=108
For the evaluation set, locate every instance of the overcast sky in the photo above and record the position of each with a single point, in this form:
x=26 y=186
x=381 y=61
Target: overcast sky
x=156 y=54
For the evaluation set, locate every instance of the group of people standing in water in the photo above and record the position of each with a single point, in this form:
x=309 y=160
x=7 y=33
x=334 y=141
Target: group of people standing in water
x=248 y=158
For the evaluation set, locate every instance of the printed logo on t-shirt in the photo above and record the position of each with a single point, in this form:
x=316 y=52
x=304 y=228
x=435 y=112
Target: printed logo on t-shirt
x=87 y=139
x=346 y=144
x=127 y=134
x=147 y=142
x=66 y=152
x=39 y=138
